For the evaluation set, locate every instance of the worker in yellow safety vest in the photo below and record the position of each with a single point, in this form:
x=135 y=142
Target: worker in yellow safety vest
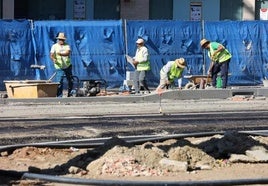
x=171 y=71
x=60 y=55
x=142 y=63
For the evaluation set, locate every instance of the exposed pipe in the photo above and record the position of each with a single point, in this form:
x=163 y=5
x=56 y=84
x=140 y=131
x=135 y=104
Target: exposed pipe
x=67 y=180
x=96 y=142
x=89 y=143
x=125 y=182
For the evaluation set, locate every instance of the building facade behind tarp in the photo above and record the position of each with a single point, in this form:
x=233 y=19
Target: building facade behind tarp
x=211 y=10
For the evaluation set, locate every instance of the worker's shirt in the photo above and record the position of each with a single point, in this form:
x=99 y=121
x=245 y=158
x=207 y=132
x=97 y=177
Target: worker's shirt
x=165 y=70
x=170 y=71
x=142 y=56
x=62 y=62
x=221 y=56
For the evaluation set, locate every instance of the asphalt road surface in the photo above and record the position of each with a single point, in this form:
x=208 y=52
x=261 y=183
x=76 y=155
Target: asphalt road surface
x=22 y=122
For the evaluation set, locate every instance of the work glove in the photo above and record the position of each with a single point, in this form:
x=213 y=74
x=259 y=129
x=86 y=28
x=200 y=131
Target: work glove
x=168 y=82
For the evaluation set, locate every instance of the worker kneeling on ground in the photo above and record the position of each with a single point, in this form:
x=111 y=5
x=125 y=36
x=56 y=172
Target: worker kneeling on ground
x=171 y=71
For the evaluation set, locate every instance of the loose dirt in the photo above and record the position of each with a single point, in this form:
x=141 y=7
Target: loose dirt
x=185 y=159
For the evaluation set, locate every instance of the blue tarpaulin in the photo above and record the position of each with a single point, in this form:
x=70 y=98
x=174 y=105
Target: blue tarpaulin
x=167 y=40
x=99 y=48
x=247 y=41
x=16 y=53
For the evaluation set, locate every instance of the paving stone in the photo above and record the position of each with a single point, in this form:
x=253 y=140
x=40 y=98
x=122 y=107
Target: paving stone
x=259 y=155
x=236 y=158
x=175 y=165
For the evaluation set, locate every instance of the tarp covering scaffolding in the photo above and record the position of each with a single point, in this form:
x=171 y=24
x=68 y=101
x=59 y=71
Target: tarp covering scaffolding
x=99 y=48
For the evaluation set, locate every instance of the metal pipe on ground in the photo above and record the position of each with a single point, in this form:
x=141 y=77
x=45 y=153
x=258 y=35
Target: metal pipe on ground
x=96 y=142
x=89 y=143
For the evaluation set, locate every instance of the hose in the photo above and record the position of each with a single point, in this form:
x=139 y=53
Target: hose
x=121 y=182
x=67 y=180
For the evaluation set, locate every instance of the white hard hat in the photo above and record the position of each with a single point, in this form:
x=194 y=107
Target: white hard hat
x=139 y=41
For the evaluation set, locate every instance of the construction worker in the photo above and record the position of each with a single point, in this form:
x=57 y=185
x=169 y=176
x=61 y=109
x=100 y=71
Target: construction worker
x=171 y=71
x=220 y=58
x=60 y=55
x=142 y=63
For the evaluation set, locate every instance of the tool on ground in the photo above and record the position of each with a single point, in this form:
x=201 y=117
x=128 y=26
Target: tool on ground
x=91 y=87
x=160 y=104
x=197 y=81
x=160 y=92
x=41 y=67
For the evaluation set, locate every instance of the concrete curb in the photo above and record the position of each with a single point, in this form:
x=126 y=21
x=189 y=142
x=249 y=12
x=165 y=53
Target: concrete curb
x=153 y=97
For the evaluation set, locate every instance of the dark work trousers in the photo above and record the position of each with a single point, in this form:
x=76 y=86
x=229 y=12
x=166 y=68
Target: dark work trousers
x=140 y=81
x=223 y=68
x=61 y=74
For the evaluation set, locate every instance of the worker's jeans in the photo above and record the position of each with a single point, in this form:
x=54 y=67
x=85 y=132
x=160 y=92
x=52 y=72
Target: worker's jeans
x=223 y=68
x=60 y=75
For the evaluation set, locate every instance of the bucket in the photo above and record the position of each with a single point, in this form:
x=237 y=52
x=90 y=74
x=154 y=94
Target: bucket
x=265 y=83
x=219 y=82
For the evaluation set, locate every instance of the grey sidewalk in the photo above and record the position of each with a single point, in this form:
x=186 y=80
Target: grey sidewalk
x=174 y=101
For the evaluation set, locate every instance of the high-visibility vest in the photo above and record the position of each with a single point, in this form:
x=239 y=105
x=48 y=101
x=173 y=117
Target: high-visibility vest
x=174 y=72
x=62 y=62
x=220 y=57
x=142 y=65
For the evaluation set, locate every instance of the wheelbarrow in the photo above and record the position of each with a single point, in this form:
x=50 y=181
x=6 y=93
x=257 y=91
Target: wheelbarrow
x=197 y=81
